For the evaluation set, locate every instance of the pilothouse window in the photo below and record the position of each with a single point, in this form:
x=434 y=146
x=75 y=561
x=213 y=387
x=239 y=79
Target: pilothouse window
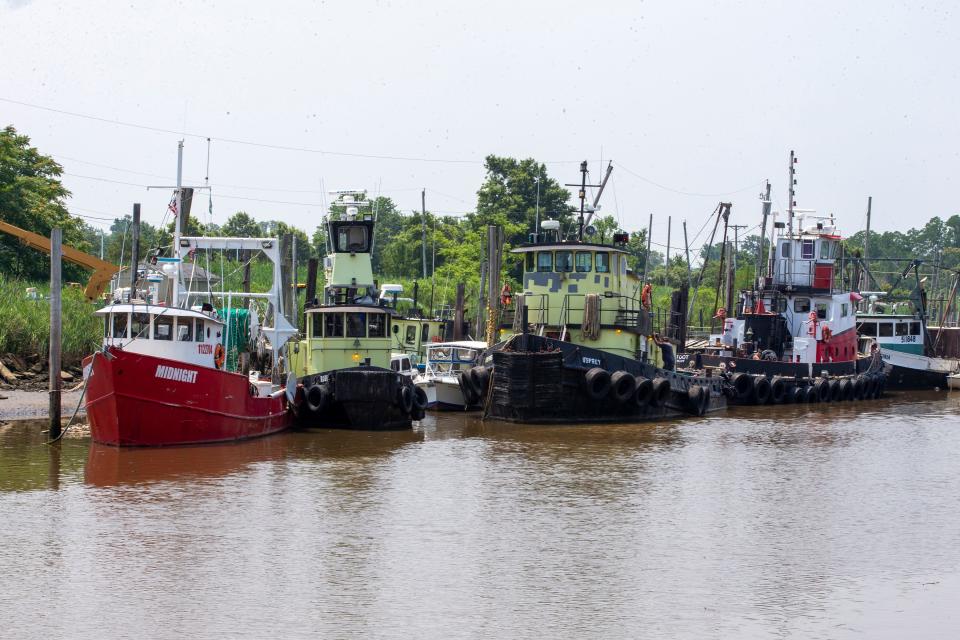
x=333 y=325
x=603 y=262
x=185 y=330
x=806 y=250
x=352 y=238
x=356 y=325
x=544 y=261
x=867 y=329
x=584 y=262
x=140 y=326
x=564 y=261
x=377 y=327
x=529 y=262
x=163 y=327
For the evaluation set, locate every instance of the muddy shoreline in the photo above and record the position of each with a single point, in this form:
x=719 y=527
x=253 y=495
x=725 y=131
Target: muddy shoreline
x=16 y=404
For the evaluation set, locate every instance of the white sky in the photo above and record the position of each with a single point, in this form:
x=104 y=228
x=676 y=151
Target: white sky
x=701 y=97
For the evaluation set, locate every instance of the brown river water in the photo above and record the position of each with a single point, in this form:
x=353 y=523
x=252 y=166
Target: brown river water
x=830 y=521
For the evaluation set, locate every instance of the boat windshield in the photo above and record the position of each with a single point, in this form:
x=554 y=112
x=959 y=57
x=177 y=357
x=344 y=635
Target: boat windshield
x=448 y=358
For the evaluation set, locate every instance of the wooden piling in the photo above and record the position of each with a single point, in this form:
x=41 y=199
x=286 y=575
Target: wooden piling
x=56 y=239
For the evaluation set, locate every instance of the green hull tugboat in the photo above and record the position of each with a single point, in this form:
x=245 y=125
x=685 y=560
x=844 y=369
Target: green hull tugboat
x=574 y=346
x=343 y=363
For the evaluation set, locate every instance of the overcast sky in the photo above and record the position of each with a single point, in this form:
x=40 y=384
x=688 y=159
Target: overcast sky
x=695 y=102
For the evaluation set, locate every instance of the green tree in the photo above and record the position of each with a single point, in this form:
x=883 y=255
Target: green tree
x=32 y=197
x=241 y=225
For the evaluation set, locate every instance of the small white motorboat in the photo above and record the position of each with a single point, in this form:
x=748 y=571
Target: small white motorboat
x=444 y=361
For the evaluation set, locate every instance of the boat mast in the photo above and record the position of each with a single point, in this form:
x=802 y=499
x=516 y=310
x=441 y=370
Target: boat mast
x=790 y=205
x=583 y=196
x=176 y=225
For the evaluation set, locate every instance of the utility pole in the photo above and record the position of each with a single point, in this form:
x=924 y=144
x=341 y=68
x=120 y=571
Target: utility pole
x=686 y=249
x=666 y=268
x=646 y=259
x=56 y=325
x=790 y=205
x=866 y=238
x=433 y=269
x=423 y=229
x=736 y=242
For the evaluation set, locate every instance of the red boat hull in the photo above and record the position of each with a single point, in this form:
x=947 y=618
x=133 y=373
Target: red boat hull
x=136 y=400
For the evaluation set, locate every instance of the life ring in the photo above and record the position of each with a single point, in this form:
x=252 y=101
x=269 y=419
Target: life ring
x=646 y=295
x=219 y=355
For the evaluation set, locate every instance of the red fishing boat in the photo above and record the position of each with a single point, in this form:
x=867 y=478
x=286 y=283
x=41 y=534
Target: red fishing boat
x=171 y=373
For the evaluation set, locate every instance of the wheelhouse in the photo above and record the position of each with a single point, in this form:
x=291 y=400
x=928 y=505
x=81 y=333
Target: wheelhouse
x=179 y=334
x=343 y=336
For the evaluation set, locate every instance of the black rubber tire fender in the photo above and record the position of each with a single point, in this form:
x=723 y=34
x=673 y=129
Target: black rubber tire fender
x=661 y=392
x=406 y=398
x=597 y=383
x=643 y=392
x=419 y=398
x=778 y=390
x=317 y=398
x=742 y=384
x=761 y=390
x=469 y=396
x=695 y=395
x=799 y=394
x=418 y=414
x=835 y=393
x=469 y=384
x=859 y=387
x=622 y=385
x=822 y=387
x=847 y=390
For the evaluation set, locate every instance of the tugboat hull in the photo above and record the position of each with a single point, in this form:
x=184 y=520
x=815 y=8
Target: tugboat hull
x=140 y=400
x=541 y=380
x=367 y=398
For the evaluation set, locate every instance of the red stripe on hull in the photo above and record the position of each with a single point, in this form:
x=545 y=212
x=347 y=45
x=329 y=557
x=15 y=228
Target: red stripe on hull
x=132 y=402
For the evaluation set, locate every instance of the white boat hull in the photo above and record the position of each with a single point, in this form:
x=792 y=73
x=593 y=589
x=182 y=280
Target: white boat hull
x=443 y=393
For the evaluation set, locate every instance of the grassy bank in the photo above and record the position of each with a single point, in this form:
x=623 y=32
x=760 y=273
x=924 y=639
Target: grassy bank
x=25 y=324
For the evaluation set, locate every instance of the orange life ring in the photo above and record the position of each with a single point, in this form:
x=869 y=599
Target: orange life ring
x=645 y=296
x=505 y=298
x=219 y=355
x=826 y=334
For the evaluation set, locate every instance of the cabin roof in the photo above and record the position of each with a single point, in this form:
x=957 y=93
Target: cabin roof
x=554 y=246
x=469 y=344
x=351 y=308
x=156 y=309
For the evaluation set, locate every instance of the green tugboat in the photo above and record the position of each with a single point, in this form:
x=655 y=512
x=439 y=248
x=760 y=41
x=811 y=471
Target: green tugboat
x=574 y=345
x=342 y=365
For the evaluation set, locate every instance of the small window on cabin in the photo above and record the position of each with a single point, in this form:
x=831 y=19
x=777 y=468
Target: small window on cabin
x=584 y=261
x=603 y=262
x=405 y=364
x=316 y=322
x=356 y=325
x=425 y=332
x=914 y=328
x=801 y=305
x=185 y=329
x=785 y=250
x=395 y=365
x=163 y=327
x=623 y=265
x=411 y=335
x=396 y=328
x=825 y=248
x=781 y=305
x=867 y=329
x=806 y=250
x=844 y=309
x=564 y=261
x=198 y=334
x=885 y=329
x=120 y=325
x=822 y=310
x=529 y=262
x=106 y=325
x=544 y=261
x=903 y=328
x=140 y=326
x=377 y=325
x=333 y=325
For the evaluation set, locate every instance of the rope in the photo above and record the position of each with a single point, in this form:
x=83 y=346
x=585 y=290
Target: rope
x=590 y=328
x=75 y=411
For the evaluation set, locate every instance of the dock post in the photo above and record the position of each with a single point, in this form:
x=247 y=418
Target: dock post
x=56 y=237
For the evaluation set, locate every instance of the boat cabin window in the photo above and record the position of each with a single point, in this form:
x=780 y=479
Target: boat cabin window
x=411 y=335
x=529 y=262
x=806 y=250
x=198 y=334
x=185 y=329
x=603 y=262
x=781 y=304
x=564 y=261
x=584 y=261
x=425 y=332
x=914 y=328
x=822 y=310
x=785 y=250
x=106 y=326
x=352 y=239
x=801 y=305
x=356 y=325
x=140 y=326
x=120 y=322
x=885 y=329
x=868 y=329
x=844 y=309
x=377 y=325
x=826 y=250
x=162 y=327
x=316 y=325
x=903 y=328
x=544 y=261
x=623 y=265
x=333 y=325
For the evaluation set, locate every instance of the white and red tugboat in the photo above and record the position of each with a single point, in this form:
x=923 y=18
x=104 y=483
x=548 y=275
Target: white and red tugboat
x=163 y=376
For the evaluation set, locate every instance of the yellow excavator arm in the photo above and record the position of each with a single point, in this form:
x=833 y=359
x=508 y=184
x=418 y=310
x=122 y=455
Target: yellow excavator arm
x=103 y=271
